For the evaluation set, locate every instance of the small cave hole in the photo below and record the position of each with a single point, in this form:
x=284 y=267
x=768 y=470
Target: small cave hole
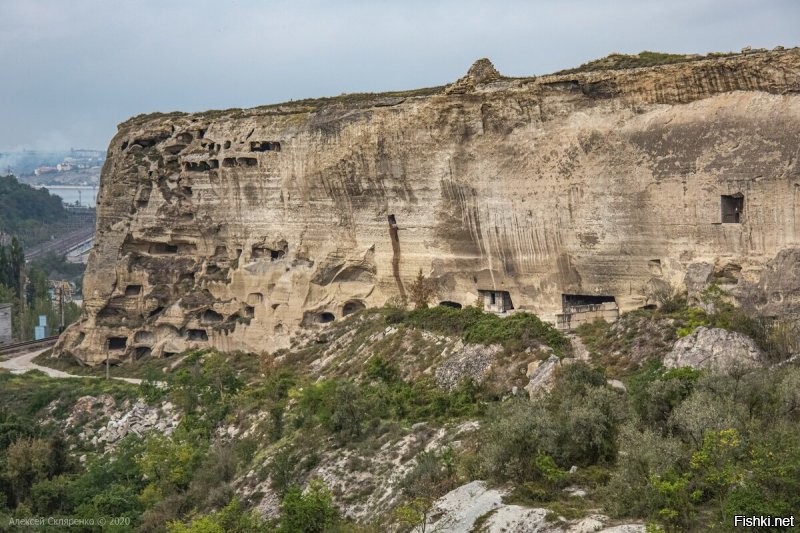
x=265 y=146
x=211 y=317
x=185 y=137
x=326 y=317
x=133 y=290
x=196 y=335
x=352 y=306
x=199 y=166
x=174 y=149
x=163 y=248
x=249 y=311
x=247 y=161
x=452 y=305
x=155 y=311
x=227 y=144
x=228 y=162
x=392 y=220
x=117 y=343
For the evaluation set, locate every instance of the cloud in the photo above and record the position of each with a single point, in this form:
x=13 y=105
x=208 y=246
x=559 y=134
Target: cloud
x=81 y=67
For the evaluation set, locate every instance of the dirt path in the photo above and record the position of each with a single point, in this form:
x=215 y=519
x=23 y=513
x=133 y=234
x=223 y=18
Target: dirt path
x=24 y=363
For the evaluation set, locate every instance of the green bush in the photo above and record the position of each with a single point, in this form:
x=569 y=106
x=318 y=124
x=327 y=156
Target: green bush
x=311 y=511
x=518 y=330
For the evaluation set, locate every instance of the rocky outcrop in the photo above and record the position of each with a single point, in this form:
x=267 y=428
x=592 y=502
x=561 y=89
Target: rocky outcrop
x=715 y=349
x=467 y=362
x=238 y=229
x=779 y=285
x=541 y=376
x=118 y=422
x=474 y=503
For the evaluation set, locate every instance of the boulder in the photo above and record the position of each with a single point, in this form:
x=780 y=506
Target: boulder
x=541 y=376
x=715 y=349
x=696 y=279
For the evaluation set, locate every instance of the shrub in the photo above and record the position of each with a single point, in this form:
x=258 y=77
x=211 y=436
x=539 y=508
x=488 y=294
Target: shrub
x=473 y=325
x=309 y=512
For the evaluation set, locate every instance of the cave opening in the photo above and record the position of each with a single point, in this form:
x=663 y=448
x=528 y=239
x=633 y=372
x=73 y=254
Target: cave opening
x=265 y=146
x=163 y=248
x=117 y=343
x=732 y=207
x=197 y=335
x=572 y=303
x=133 y=290
x=352 y=306
x=211 y=317
x=450 y=304
x=326 y=317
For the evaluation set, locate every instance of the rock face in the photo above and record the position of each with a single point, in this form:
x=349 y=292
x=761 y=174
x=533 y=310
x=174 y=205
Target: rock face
x=473 y=504
x=715 y=349
x=235 y=229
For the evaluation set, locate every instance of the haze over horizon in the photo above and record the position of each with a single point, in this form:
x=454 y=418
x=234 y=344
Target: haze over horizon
x=73 y=71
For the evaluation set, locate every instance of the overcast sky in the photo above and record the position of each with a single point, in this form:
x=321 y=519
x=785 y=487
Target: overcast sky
x=73 y=69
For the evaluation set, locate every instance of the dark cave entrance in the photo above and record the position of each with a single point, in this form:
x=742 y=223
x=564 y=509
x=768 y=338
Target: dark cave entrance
x=732 y=207
x=117 y=343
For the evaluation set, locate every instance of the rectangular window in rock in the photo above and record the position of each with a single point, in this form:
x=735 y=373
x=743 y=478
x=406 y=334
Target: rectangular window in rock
x=732 y=207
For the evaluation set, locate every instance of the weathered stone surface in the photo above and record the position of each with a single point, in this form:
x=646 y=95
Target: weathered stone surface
x=715 y=349
x=698 y=276
x=461 y=508
x=469 y=361
x=779 y=285
x=542 y=376
x=138 y=418
x=237 y=229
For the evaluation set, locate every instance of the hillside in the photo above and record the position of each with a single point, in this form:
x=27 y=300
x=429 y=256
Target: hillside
x=32 y=215
x=456 y=418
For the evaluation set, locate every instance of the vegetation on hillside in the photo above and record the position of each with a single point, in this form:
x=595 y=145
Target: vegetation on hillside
x=681 y=449
x=32 y=215
x=642 y=59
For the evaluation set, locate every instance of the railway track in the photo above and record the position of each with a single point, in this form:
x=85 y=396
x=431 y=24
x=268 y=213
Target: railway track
x=27 y=346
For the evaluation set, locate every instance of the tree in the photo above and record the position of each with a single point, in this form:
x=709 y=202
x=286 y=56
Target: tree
x=17 y=265
x=422 y=291
x=27 y=462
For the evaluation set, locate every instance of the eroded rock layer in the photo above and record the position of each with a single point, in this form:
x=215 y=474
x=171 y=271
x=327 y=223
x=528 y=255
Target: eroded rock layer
x=236 y=229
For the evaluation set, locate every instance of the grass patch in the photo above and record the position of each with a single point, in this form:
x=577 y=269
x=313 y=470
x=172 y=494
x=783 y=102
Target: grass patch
x=640 y=60
x=29 y=393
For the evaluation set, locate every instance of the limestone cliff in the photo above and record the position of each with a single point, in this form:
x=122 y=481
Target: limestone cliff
x=235 y=229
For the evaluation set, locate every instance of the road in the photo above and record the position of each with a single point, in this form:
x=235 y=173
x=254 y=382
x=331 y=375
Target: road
x=24 y=363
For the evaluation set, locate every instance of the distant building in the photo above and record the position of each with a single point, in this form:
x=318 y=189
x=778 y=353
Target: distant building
x=5 y=324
